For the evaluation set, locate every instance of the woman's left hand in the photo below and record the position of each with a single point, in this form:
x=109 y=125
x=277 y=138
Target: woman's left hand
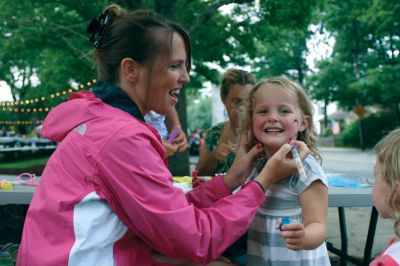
x=242 y=165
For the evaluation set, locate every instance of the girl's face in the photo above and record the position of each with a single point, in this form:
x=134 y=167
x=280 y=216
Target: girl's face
x=234 y=102
x=167 y=81
x=379 y=192
x=276 y=116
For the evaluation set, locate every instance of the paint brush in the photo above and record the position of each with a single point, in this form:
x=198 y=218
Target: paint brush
x=297 y=159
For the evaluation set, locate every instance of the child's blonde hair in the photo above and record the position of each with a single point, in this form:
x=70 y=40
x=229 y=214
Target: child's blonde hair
x=388 y=155
x=308 y=136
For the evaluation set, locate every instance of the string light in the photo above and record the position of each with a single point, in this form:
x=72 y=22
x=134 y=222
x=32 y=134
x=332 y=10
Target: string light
x=42 y=98
x=28 y=110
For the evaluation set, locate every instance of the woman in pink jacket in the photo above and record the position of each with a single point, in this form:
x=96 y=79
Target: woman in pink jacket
x=106 y=196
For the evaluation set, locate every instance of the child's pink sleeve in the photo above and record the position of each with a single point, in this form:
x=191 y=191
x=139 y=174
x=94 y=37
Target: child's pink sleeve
x=384 y=260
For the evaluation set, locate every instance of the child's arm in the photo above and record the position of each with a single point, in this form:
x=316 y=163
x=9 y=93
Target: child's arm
x=314 y=202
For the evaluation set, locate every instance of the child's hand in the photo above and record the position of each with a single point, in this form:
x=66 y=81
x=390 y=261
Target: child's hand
x=181 y=142
x=293 y=233
x=222 y=151
x=196 y=180
x=170 y=148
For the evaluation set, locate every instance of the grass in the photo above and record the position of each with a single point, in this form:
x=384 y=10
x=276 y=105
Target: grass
x=16 y=164
x=25 y=163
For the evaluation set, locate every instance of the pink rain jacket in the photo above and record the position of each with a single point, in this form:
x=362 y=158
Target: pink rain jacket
x=106 y=196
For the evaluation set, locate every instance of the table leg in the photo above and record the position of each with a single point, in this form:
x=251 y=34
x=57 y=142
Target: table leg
x=343 y=235
x=342 y=253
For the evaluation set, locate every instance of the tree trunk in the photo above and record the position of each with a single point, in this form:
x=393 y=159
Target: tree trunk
x=178 y=164
x=326 y=102
x=361 y=134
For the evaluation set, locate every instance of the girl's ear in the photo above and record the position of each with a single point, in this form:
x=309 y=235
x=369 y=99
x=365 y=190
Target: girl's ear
x=304 y=123
x=129 y=69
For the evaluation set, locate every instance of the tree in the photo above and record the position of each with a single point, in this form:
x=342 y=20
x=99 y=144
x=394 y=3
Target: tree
x=363 y=70
x=200 y=114
x=47 y=40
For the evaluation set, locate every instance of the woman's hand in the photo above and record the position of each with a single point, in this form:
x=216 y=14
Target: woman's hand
x=242 y=165
x=281 y=164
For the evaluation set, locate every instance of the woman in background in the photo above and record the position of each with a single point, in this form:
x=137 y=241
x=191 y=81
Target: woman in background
x=221 y=141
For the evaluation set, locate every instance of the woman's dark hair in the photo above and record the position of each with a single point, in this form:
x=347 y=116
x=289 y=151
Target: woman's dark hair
x=142 y=35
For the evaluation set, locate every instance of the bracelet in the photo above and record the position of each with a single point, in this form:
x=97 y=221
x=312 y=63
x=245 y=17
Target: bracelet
x=261 y=186
x=220 y=174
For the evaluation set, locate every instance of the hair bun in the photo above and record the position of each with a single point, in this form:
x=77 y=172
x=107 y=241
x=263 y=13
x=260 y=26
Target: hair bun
x=114 y=10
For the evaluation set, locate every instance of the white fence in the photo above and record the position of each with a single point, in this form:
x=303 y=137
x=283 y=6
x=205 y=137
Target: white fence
x=19 y=144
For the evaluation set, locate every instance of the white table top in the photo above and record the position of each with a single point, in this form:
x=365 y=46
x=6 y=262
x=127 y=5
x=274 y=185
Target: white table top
x=338 y=196
x=20 y=194
x=350 y=197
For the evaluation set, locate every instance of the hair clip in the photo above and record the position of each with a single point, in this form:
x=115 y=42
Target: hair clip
x=96 y=28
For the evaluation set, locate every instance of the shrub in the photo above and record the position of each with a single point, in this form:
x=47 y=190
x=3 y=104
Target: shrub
x=375 y=127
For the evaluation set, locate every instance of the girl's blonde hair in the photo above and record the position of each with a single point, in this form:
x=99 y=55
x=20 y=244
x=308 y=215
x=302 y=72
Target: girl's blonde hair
x=308 y=136
x=388 y=155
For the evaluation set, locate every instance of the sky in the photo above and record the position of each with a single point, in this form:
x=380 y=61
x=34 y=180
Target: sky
x=5 y=94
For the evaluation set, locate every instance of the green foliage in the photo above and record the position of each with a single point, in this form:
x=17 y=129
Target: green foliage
x=364 y=68
x=47 y=40
x=200 y=114
x=375 y=127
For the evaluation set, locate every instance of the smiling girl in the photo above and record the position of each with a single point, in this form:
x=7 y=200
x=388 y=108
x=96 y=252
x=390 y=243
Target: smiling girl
x=278 y=111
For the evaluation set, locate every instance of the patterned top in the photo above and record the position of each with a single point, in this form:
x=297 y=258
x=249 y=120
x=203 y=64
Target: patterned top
x=265 y=247
x=213 y=136
x=157 y=121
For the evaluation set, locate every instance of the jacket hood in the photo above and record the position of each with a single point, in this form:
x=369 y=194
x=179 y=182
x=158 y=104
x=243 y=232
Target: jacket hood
x=80 y=107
